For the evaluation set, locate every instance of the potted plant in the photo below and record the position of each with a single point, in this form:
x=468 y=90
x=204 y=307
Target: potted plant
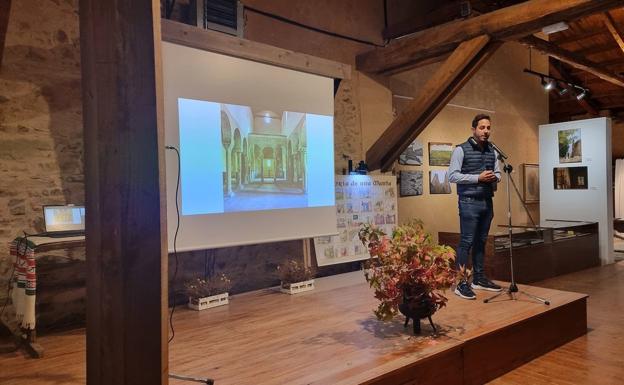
x=295 y=277
x=209 y=292
x=408 y=271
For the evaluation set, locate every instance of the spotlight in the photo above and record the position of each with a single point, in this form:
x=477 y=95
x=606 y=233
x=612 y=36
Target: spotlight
x=562 y=90
x=582 y=94
x=548 y=84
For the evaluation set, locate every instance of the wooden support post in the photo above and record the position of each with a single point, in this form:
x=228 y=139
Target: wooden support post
x=124 y=183
x=441 y=88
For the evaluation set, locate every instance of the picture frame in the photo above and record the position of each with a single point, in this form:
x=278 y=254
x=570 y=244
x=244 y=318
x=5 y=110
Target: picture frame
x=411 y=183
x=440 y=153
x=438 y=182
x=530 y=182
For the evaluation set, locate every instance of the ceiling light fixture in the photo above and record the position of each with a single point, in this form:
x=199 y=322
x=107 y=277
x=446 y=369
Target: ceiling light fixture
x=557 y=27
x=550 y=83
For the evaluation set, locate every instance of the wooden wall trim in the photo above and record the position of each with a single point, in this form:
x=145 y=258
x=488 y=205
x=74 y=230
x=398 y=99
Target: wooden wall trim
x=124 y=186
x=222 y=43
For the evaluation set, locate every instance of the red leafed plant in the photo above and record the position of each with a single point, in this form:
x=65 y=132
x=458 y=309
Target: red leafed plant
x=407 y=267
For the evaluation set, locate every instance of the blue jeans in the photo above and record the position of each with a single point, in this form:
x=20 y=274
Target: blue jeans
x=475 y=216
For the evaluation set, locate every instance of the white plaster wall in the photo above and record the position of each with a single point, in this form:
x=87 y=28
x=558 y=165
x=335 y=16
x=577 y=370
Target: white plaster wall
x=594 y=204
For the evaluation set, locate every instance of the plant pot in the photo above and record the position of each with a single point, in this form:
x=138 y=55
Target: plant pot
x=416 y=312
x=297 y=287
x=208 y=302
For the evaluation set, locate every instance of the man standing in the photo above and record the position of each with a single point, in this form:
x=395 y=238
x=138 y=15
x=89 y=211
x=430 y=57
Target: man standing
x=474 y=167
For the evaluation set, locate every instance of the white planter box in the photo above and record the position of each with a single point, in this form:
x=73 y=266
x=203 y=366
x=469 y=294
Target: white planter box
x=208 y=302
x=297 y=287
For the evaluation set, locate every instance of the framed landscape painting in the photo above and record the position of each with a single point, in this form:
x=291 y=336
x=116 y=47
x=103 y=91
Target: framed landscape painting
x=440 y=154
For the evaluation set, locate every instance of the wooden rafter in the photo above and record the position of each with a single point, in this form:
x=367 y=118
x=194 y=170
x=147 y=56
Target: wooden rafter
x=218 y=42
x=563 y=75
x=442 y=86
x=506 y=23
x=572 y=59
x=617 y=34
x=5 y=10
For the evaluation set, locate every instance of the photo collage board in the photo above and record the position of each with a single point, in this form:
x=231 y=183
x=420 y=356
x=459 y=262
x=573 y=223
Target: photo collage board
x=360 y=199
x=411 y=181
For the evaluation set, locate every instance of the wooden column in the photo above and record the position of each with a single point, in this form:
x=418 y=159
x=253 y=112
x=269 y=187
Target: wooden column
x=125 y=199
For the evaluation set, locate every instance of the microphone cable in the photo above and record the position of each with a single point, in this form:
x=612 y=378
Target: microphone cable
x=175 y=241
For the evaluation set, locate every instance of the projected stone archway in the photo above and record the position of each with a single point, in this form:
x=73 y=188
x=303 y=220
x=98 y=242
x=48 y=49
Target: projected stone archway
x=264 y=159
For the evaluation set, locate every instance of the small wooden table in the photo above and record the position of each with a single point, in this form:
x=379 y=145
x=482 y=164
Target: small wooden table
x=27 y=336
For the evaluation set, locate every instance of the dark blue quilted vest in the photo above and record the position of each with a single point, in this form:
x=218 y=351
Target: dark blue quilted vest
x=476 y=161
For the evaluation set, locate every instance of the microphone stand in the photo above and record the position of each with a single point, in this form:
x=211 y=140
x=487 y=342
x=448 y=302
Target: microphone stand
x=513 y=288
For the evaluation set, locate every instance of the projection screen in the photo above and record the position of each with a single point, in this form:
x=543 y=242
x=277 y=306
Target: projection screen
x=256 y=147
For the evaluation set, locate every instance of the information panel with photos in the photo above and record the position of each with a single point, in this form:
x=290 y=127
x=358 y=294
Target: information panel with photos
x=360 y=199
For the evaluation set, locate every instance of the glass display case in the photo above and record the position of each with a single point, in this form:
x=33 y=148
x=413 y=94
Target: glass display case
x=553 y=248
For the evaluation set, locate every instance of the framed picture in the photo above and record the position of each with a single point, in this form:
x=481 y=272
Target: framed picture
x=411 y=183
x=438 y=182
x=412 y=155
x=570 y=178
x=440 y=154
x=570 y=149
x=531 y=182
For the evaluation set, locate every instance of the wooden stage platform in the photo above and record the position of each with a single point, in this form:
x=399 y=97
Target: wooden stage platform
x=330 y=336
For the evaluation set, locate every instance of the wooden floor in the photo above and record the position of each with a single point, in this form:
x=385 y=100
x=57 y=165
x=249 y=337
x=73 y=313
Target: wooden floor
x=323 y=338
x=597 y=357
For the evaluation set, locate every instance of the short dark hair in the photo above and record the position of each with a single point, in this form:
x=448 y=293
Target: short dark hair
x=476 y=119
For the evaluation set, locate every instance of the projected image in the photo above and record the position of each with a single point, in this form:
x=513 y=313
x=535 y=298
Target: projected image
x=238 y=158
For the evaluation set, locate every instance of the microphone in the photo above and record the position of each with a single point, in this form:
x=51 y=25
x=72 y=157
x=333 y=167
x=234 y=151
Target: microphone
x=500 y=152
x=473 y=141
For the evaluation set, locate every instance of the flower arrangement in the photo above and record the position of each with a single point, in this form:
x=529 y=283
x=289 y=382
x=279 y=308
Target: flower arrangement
x=292 y=271
x=201 y=288
x=407 y=267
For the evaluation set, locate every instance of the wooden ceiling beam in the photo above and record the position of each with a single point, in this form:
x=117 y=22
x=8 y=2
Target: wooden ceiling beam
x=441 y=87
x=572 y=59
x=587 y=104
x=213 y=41
x=5 y=10
x=506 y=23
x=617 y=34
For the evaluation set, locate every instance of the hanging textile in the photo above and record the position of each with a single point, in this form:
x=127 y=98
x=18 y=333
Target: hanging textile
x=25 y=287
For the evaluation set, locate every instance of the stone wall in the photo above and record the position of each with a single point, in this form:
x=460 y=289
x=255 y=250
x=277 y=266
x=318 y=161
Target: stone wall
x=41 y=149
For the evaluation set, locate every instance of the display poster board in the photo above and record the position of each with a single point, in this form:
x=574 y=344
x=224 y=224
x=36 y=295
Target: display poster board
x=360 y=199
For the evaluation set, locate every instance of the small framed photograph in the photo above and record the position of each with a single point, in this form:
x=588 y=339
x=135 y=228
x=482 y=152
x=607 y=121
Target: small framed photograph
x=530 y=178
